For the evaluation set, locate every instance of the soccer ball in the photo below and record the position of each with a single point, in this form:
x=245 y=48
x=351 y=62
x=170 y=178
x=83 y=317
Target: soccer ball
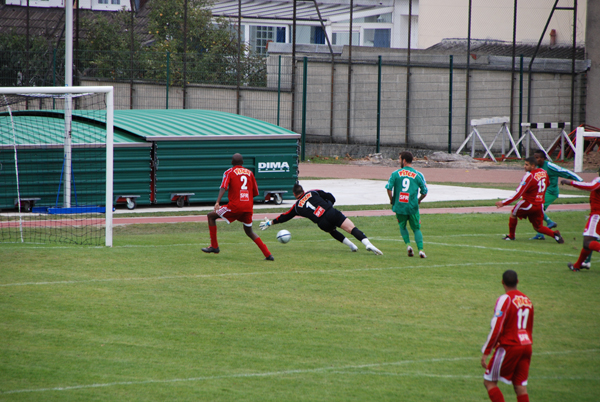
x=284 y=236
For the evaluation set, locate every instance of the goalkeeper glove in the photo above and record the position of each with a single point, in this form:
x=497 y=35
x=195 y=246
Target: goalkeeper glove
x=265 y=225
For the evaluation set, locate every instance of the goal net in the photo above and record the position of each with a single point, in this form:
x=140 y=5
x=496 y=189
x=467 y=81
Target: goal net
x=56 y=165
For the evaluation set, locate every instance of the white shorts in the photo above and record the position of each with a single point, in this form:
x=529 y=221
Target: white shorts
x=591 y=229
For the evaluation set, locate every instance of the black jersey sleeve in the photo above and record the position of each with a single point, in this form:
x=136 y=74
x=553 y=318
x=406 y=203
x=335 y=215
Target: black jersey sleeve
x=326 y=196
x=286 y=216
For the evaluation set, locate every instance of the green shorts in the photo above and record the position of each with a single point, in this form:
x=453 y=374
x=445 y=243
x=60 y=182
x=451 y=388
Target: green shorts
x=414 y=220
x=549 y=199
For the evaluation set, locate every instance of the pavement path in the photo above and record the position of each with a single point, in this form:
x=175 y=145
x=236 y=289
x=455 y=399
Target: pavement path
x=433 y=175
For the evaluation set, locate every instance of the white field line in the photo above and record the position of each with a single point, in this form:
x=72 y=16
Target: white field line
x=421 y=374
x=329 y=369
x=238 y=274
x=483 y=247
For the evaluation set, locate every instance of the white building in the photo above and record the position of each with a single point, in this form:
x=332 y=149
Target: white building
x=375 y=22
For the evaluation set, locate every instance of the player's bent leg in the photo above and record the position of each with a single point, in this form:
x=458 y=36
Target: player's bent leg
x=262 y=246
x=402 y=220
x=512 y=227
x=342 y=239
x=521 y=392
x=363 y=239
x=494 y=392
x=212 y=229
x=549 y=199
x=415 y=225
x=593 y=245
x=587 y=264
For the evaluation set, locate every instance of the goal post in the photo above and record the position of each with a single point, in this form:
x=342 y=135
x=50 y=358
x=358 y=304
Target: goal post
x=36 y=123
x=580 y=135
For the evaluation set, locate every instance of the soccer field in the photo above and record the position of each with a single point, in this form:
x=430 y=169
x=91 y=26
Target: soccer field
x=154 y=318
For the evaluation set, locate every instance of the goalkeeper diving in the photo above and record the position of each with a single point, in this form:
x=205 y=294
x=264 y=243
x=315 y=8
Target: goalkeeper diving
x=317 y=205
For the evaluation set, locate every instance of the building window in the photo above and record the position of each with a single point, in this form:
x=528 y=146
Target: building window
x=102 y=1
x=280 y=34
x=377 y=37
x=116 y=1
x=310 y=34
x=342 y=38
x=260 y=36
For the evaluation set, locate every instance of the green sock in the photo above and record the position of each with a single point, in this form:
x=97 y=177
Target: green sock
x=405 y=235
x=547 y=219
x=419 y=239
x=588 y=259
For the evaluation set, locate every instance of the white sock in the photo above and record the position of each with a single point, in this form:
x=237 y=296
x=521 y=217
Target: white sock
x=366 y=242
x=349 y=244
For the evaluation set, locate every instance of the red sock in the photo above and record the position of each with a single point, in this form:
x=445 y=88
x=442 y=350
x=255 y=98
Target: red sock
x=262 y=246
x=523 y=398
x=583 y=256
x=545 y=230
x=213 y=236
x=594 y=246
x=512 y=227
x=496 y=395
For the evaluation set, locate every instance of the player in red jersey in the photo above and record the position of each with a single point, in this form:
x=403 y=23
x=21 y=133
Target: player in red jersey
x=511 y=336
x=532 y=189
x=591 y=233
x=241 y=188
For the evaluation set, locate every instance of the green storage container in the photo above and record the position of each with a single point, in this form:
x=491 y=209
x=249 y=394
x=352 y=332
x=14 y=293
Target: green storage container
x=192 y=148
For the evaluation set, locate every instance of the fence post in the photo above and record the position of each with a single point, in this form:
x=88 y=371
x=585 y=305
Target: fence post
x=54 y=75
x=450 y=105
x=168 y=76
x=304 y=74
x=520 y=102
x=278 y=89
x=378 y=103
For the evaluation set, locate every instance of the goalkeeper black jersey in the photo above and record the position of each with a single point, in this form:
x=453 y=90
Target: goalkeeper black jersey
x=312 y=205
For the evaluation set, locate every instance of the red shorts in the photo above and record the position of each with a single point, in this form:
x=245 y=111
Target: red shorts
x=592 y=226
x=509 y=364
x=535 y=213
x=230 y=216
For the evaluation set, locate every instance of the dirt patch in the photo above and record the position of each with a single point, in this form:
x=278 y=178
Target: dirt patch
x=591 y=162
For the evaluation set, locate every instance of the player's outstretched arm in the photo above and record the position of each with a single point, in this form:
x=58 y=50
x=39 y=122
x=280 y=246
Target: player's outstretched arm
x=499 y=204
x=566 y=182
x=265 y=224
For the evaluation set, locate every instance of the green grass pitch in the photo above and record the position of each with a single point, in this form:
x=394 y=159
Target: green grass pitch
x=154 y=318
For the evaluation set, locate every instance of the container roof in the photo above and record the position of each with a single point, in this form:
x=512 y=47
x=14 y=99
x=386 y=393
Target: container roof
x=48 y=128
x=195 y=124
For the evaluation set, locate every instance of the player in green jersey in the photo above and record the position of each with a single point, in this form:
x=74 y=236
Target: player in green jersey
x=403 y=189
x=554 y=172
